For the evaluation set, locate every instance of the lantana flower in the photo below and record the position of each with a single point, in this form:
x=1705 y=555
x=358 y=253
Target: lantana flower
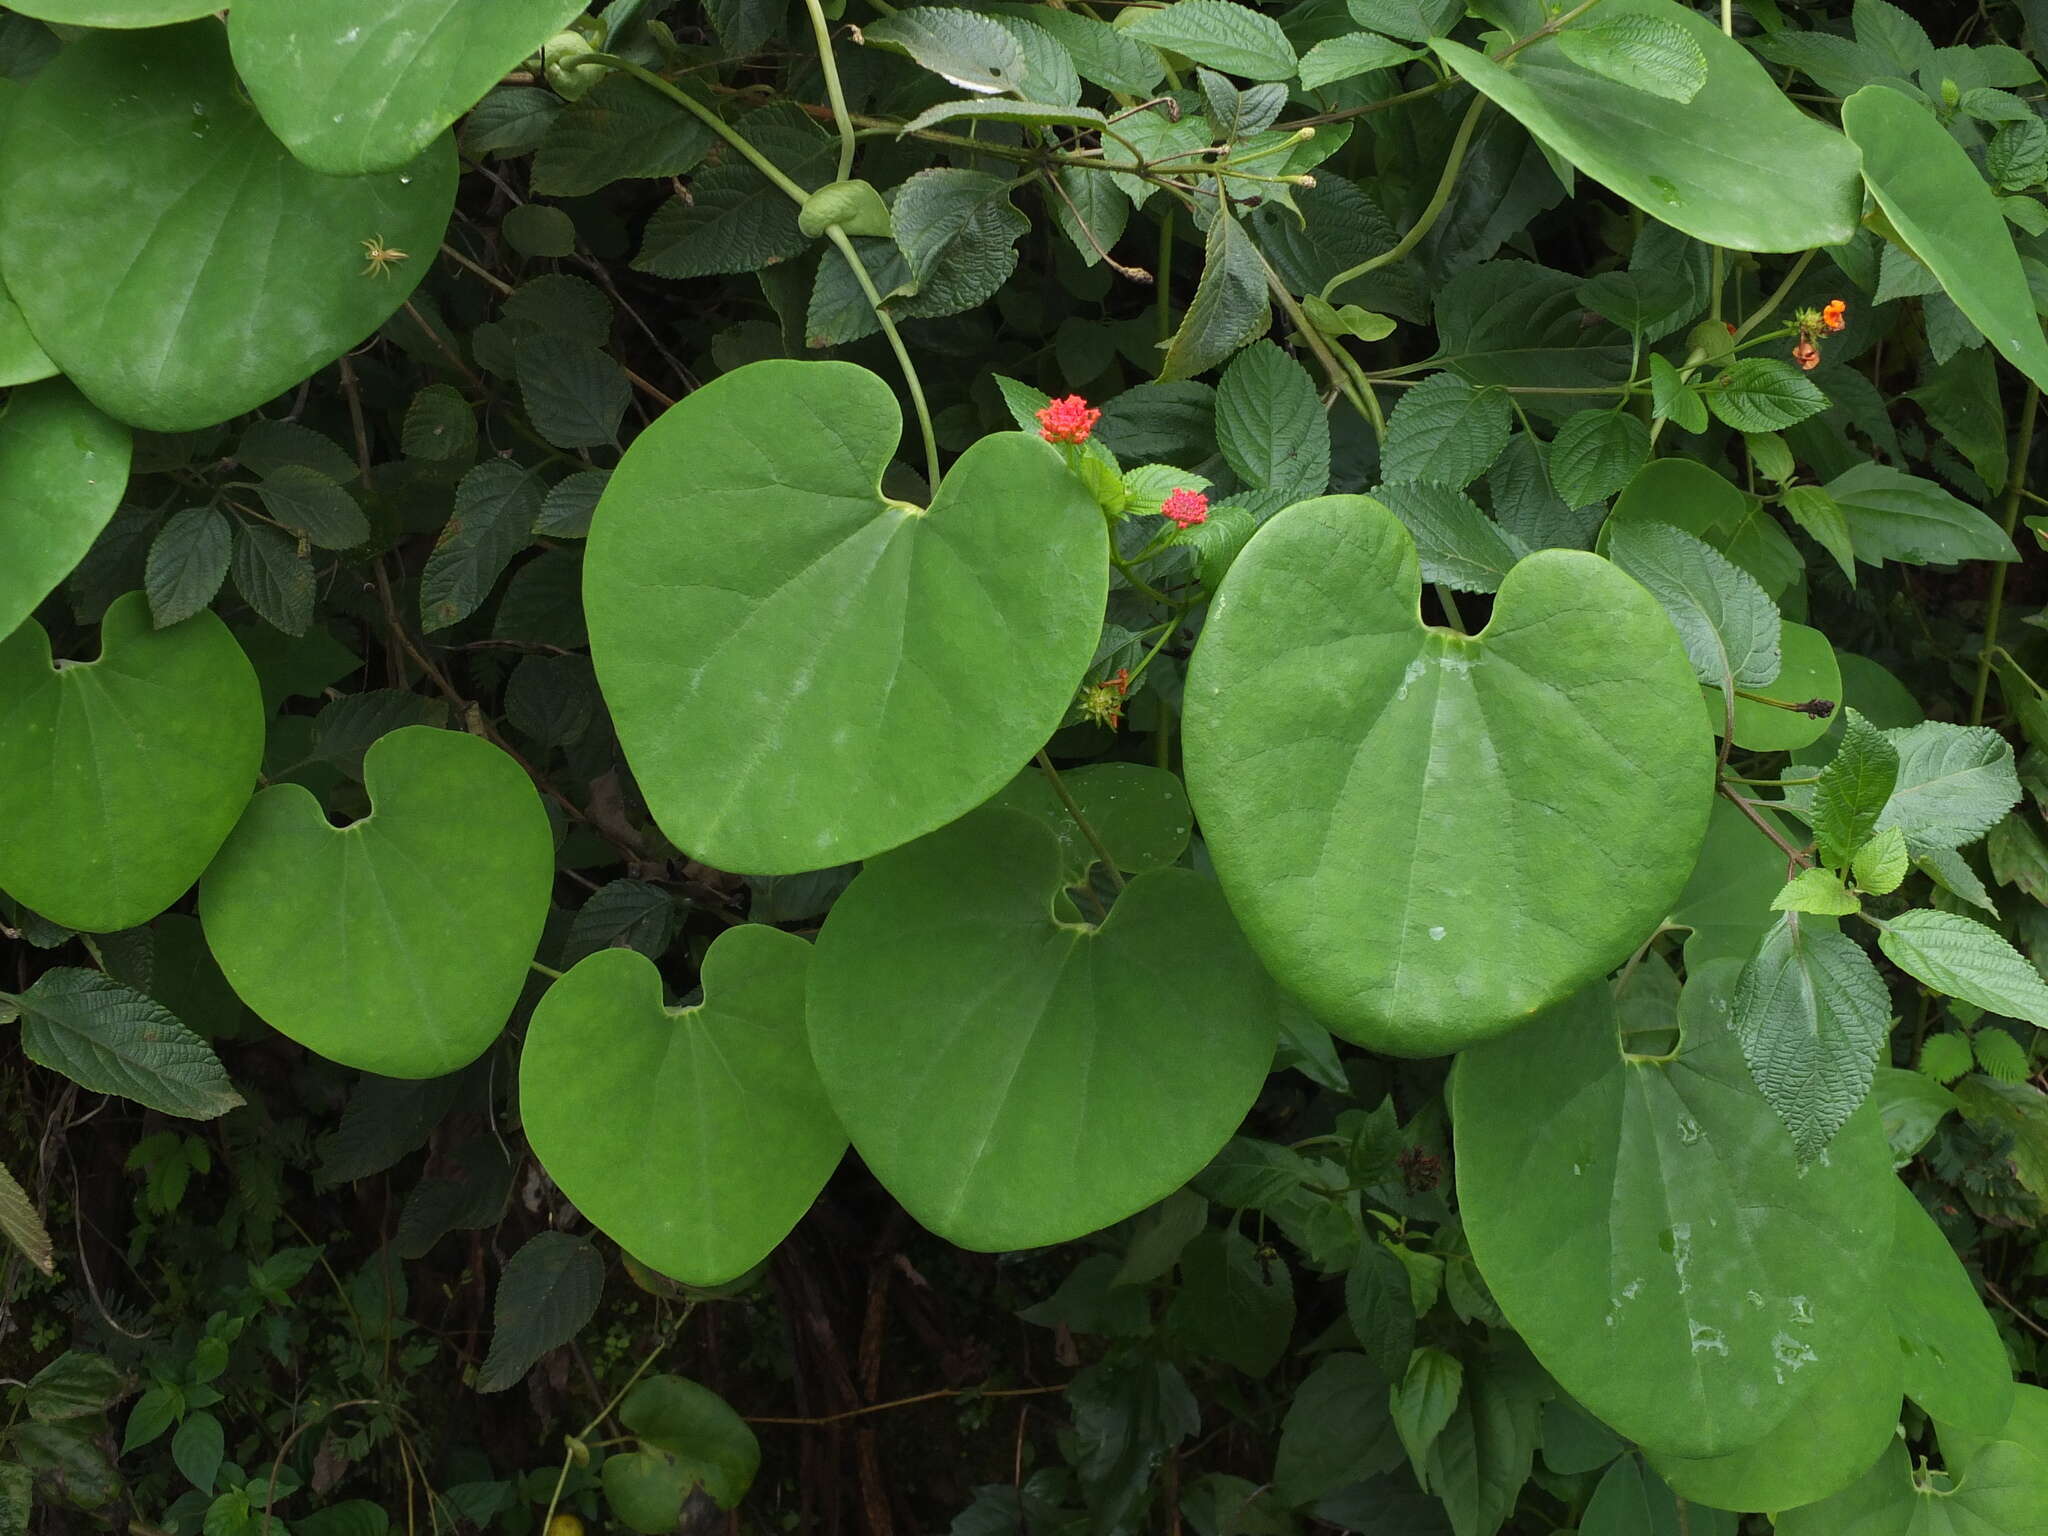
x=1067 y=420
x=1185 y=508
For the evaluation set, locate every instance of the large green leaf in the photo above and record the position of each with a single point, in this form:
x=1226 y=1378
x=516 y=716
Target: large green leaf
x=2000 y=1491
x=695 y=1137
x=21 y=360
x=1955 y=1362
x=170 y=254
x=1017 y=1078
x=114 y=13
x=1940 y=207
x=1737 y=165
x=63 y=467
x=1726 y=905
x=1844 y=1420
x=1687 y=494
x=805 y=672
x=1429 y=836
x=120 y=777
x=398 y=944
x=364 y=85
x=1646 y=1228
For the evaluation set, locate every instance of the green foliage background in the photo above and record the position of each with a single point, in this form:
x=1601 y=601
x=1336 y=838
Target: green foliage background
x=1487 y=977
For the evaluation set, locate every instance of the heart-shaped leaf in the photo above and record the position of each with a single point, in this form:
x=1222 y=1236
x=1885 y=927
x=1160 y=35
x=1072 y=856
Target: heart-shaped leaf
x=399 y=944
x=1715 y=166
x=1430 y=836
x=1017 y=1080
x=804 y=672
x=170 y=254
x=114 y=13
x=63 y=467
x=1643 y=1222
x=695 y=1137
x=21 y=360
x=2000 y=1491
x=365 y=85
x=1956 y=1366
x=119 y=778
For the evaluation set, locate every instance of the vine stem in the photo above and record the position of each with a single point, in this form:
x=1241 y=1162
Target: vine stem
x=844 y=244
x=1995 y=603
x=1052 y=777
x=1748 y=809
x=821 y=29
x=1430 y=213
x=568 y=1456
x=799 y=196
x=905 y=1402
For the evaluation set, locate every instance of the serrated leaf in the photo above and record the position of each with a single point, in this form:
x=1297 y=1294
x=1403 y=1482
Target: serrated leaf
x=1596 y=453
x=108 y=1038
x=976 y=53
x=1270 y=424
x=1880 y=865
x=2000 y=1055
x=1816 y=891
x=1031 y=114
x=1429 y=1390
x=1459 y=545
x=274 y=577
x=1945 y=1057
x=1672 y=398
x=622 y=129
x=1414 y=21
x=188 y=560
x=1810 y=1013
x=958 y=233
x=566 y=510
x=1230 y=307
x=311 y=505
x=1445 y=432
x=548 y=1292
x=22 y=1224
x=1955 y=783
x=630 y=913
x=439 y=425
x=1962 y=958
x=1377 y=1304
x=1853 y=790
x=1646 y=52
x=1233 y=38
x=496 y=506
x=1951 y=872
x=1761 y=394
x=1730 y=626
x=269 y=445
x=196 y=1449
x=576 y=394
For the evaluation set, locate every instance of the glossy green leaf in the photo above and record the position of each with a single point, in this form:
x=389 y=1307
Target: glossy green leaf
x=1847 y=1416
x=63 y=467
x=1707 y=1272
x=113 y=13
x=398 y=944
x=1955 y=1362
x=1714 y=167
x=694 y=1137
x=1963 y=958
x=21 y=360
x=1140 y=813
x=1946 y=215
x=1016 y=1078
x=1421 y=831
x=239 y=271
x=2001 y=1491
x=804 y=672
x=121 y=777
x=364 y=85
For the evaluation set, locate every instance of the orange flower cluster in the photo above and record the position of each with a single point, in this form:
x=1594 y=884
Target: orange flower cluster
x=1832 y=316
x=1069 y=420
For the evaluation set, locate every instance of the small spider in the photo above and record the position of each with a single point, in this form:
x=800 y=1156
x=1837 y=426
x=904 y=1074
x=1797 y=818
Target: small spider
x=382 y=257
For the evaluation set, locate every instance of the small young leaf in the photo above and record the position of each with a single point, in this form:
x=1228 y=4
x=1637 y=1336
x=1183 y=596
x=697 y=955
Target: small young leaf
x=2000 y=1055
x=1961 y=957
x=439 y=425
x=197 y=1448
x=1423 y=1402
x=1853 y=791
x=1945 y=1057
x=1880 y=865
x=1377 y=1304
x=188 y=560
x=22 y=1224
x=1818 y=891
x=1674 y=399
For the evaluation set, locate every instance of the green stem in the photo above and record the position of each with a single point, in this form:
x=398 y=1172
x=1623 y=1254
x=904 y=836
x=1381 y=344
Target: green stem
x=821 y=29
x=1778 y=295
x=546 y=970
x=1052 y=776
x=1430 y=213
x=1345 y=376
x=710 y=119
x=840 y=239
x=1995 y=606
x=603 y=1413
x=1450 y=602
x=1166 y=274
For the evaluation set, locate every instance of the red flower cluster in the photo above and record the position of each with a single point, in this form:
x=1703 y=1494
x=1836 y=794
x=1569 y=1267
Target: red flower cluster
x=1069 y=420
x=1185 y=508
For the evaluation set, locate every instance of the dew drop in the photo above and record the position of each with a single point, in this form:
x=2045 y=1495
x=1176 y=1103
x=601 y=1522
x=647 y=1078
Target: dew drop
x=1667 y=190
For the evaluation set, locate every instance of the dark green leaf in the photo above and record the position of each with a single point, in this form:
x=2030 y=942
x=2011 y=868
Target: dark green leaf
x=188 y=560
x=108 y=1038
